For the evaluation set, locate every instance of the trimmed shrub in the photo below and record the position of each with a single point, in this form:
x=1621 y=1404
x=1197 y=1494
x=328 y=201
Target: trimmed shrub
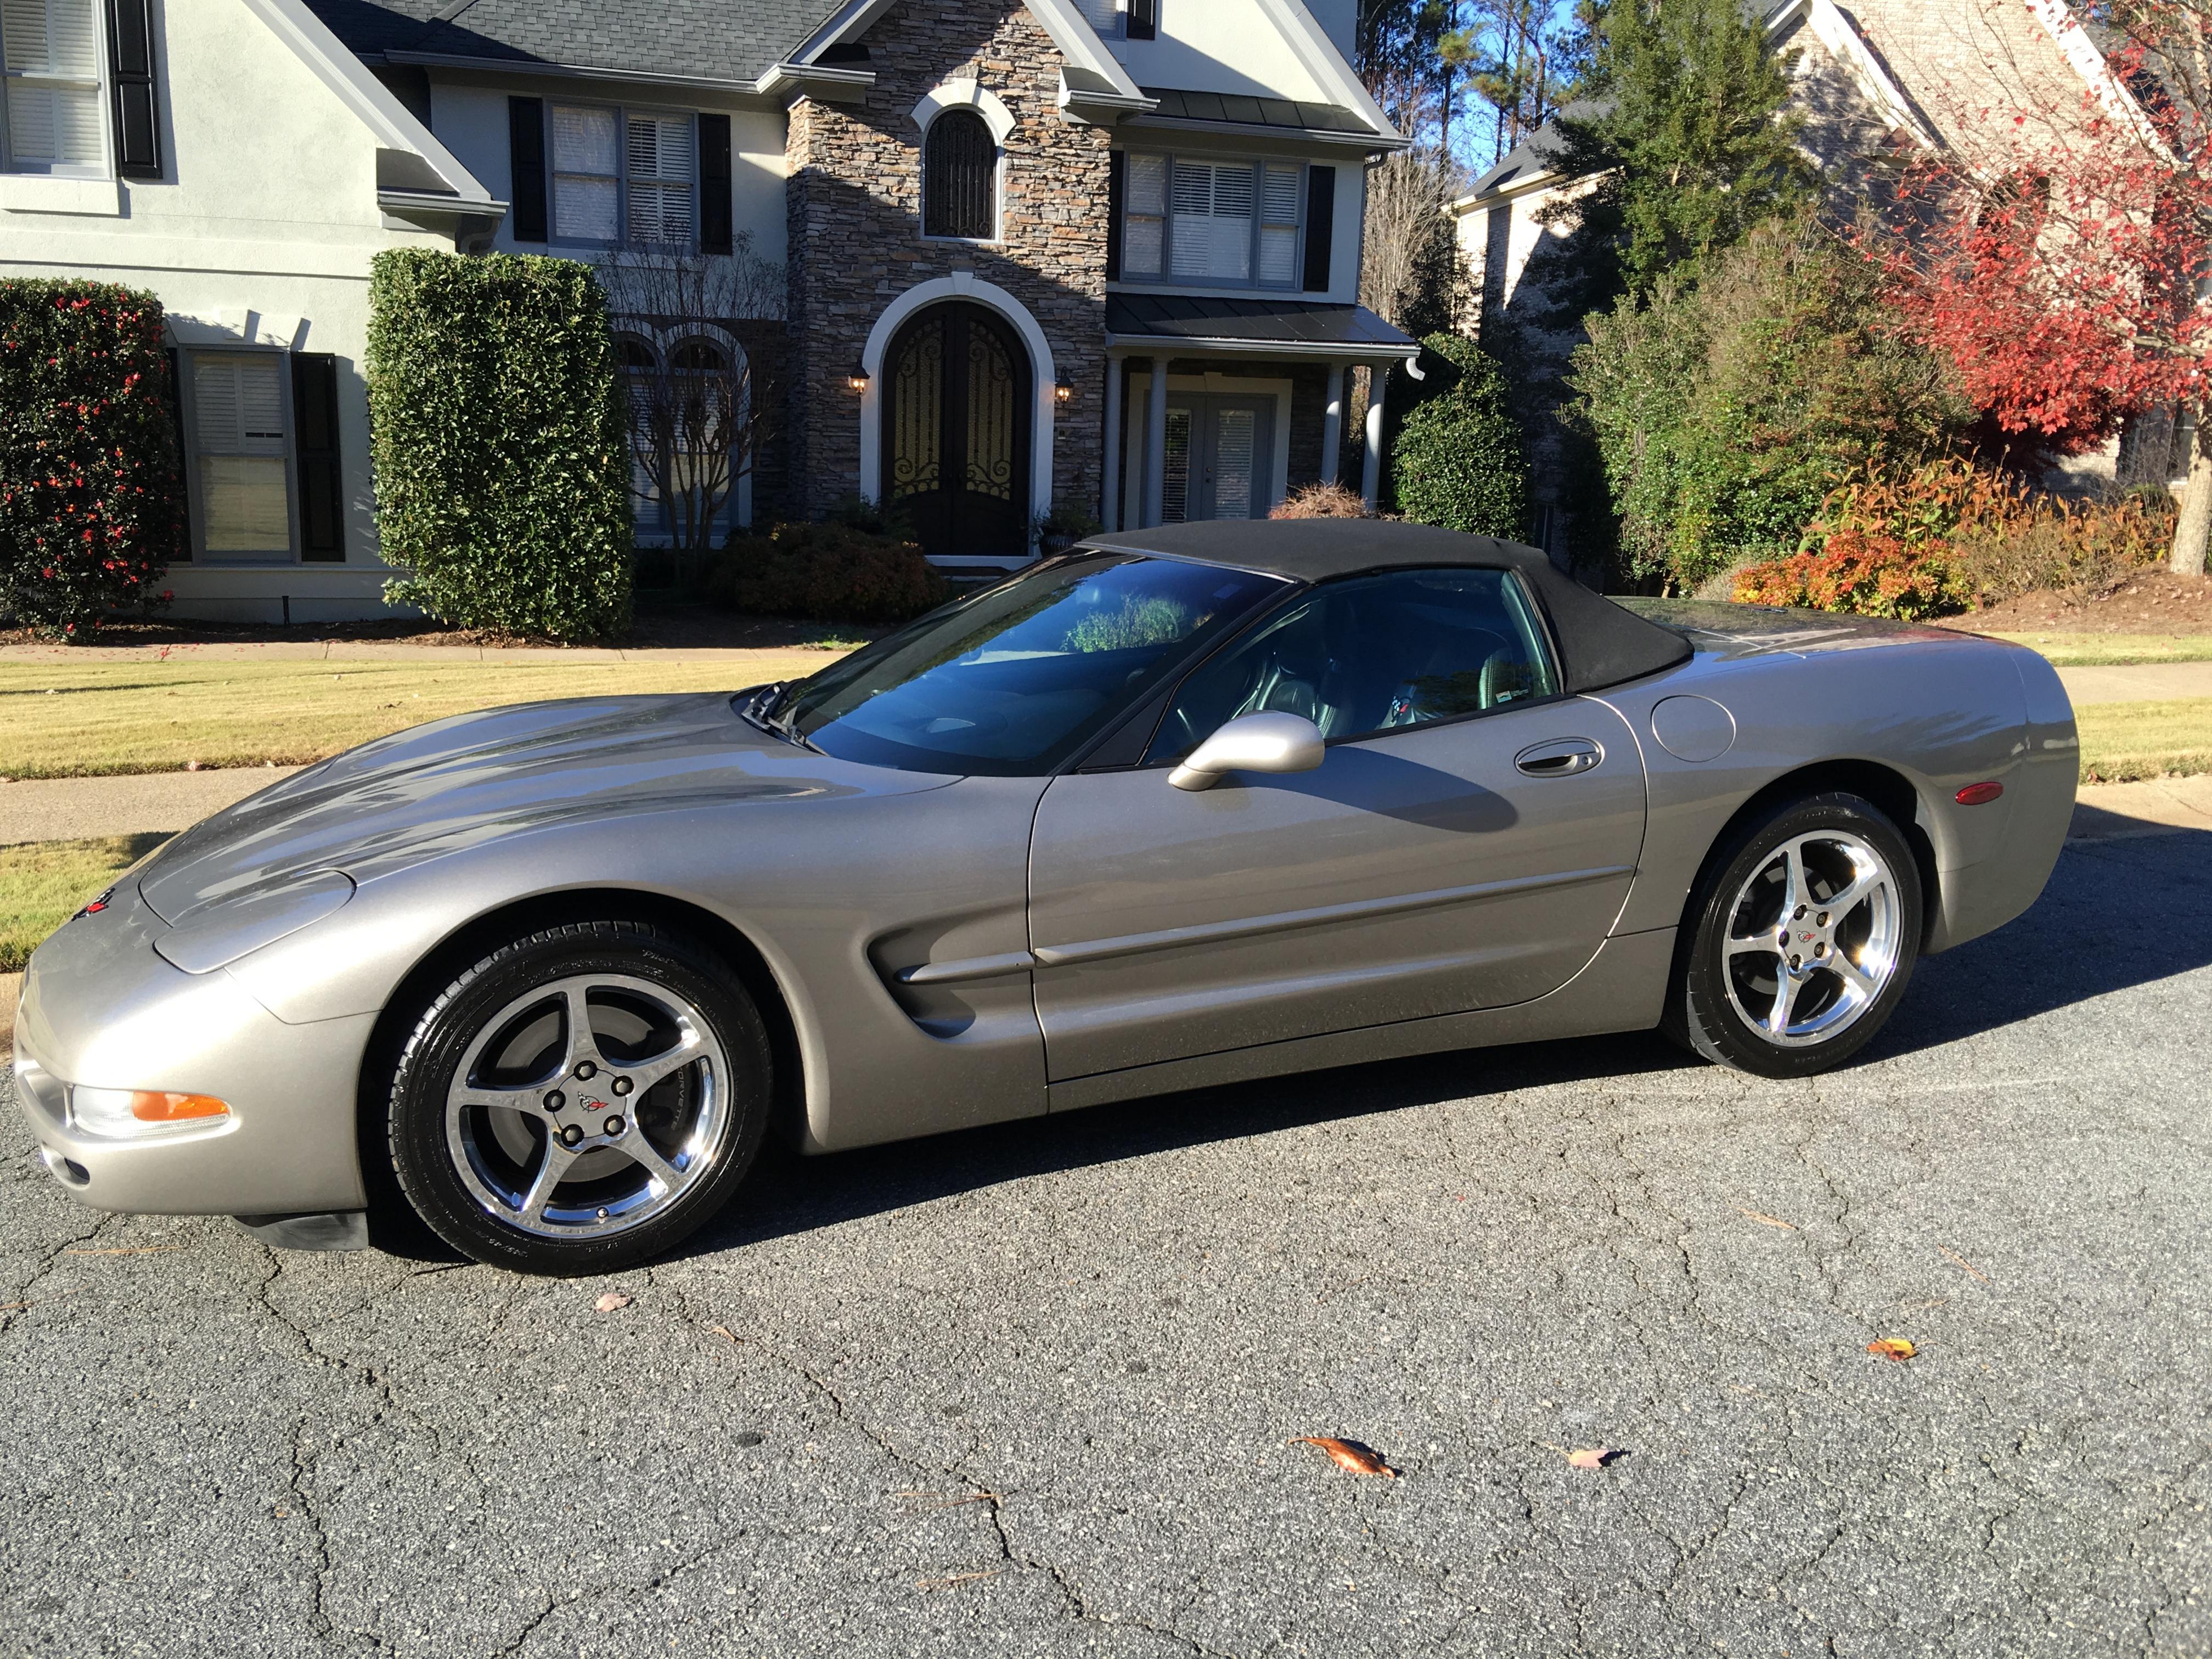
x=1458 y=461
x=90 y=509
x=1948 y=535
x=827 y=571
x=1321 y=500
x=502 y=462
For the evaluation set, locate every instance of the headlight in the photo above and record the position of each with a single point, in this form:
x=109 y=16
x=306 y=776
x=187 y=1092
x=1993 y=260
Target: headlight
x=220 y=932
x=120 y=1112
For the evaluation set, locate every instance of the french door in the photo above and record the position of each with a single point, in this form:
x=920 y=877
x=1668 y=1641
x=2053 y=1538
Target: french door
x=1220 y=453
x=955 y=445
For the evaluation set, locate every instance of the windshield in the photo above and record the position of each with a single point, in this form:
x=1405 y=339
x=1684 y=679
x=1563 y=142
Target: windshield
x=1012 y=681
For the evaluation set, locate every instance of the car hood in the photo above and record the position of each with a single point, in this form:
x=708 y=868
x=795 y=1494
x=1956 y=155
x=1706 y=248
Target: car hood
x=488 y=777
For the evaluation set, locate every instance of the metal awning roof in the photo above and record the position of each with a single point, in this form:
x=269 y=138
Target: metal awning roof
x=1288 y=328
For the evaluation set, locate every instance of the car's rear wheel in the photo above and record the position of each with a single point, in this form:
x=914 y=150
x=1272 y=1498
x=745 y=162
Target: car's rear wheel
x=1803 y=935
x=581 y=1099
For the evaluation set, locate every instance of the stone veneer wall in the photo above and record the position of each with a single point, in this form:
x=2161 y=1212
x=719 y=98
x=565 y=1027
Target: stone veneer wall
x=854 y=206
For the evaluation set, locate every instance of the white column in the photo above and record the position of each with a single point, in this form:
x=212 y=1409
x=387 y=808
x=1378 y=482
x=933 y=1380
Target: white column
x=1156 y=447
x=1370 y=474
x=1109 y=489
x=1332 y=428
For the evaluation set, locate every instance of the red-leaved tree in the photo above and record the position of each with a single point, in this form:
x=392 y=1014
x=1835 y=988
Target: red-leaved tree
x=2061 y=262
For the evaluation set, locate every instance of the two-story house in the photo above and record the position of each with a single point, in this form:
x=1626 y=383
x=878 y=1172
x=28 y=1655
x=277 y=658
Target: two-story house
x=1102 y=255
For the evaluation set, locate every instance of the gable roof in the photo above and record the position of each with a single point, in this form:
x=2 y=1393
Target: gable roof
x=729 y=43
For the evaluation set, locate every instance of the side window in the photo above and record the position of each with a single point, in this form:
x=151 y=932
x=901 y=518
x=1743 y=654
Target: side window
x=239 y=451
x=1372 y=655
x=960 y=178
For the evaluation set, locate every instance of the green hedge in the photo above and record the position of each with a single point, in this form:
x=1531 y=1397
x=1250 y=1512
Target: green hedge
x=1458 y=460
x=826 y=572
x=90 y=510
x=502 y=466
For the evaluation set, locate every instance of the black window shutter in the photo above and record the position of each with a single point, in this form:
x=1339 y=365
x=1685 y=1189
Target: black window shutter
x=526 y=133
x=1321 y=225
x=714 y=232
x=315 y=444
x=1117 y=187
x=1144 y=19
x=130 y=77
x=184 y=553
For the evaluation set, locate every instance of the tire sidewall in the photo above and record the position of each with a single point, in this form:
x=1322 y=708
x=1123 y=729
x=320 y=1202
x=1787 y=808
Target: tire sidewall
x=1710 y=1021
x=415 y=1123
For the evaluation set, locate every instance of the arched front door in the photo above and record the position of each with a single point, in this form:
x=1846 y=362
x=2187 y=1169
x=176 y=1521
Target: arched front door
x=956 y=409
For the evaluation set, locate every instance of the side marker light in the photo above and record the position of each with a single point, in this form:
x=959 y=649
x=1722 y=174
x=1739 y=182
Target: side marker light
x=1978 y=794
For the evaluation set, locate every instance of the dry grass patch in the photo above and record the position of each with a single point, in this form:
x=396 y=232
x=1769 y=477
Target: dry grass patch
x=42 y=883
x=2121 y=741
x=82 y=719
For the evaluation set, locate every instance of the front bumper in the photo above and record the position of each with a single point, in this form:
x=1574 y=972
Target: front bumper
x=100 y=1010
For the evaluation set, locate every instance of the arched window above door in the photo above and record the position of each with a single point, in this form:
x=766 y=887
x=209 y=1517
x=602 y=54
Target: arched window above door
x=960 y=177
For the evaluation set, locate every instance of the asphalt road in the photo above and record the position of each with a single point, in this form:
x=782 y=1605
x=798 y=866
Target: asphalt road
x=1027 y=1391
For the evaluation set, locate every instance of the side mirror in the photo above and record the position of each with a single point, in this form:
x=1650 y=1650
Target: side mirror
x=1252 y=743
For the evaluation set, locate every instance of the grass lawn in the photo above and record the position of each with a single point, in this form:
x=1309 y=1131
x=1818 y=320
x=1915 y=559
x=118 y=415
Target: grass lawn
x=71 y=720
x=2121 y=741
x=2113 y=650
x=42 y=883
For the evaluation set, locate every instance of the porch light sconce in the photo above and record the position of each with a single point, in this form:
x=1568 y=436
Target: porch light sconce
x=857 y=377
x=1063 y=392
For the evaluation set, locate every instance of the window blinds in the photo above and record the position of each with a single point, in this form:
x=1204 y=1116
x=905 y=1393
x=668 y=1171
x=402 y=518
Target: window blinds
x=238 y=420
x=661 y=167
x=587 y=188
x=1212 y=221
x=50 y=52
x=1144 y=226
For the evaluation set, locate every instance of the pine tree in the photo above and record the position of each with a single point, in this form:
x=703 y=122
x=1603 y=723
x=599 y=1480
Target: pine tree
x=1689 y=139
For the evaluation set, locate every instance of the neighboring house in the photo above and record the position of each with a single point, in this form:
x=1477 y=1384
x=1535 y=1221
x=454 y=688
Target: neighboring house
x=1097 y=254
x=1872 y=84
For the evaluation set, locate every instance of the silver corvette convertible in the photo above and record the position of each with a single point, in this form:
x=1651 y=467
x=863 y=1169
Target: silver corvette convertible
x=1184 y=806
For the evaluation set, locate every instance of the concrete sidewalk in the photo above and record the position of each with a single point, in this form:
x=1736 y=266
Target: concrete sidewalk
x=143 y=803
x=2144 y=682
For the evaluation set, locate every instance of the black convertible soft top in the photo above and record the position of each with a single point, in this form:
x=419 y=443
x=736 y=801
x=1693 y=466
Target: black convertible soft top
x=1601 y=643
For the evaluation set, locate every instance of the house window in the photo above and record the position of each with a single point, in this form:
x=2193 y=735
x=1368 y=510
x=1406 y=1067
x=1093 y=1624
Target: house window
x=238 y=443
x=960 y=178
x=50 y=52
x=625 y=178
x=1123 y=20
x=1222 y=223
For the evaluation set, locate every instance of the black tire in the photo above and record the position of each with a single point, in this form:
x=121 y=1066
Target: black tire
x=1743 y=880
x=437 y=1148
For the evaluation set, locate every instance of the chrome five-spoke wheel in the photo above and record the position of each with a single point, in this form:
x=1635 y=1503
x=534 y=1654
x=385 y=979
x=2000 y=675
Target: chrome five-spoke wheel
x=587 y=1106
x=1813 y=937
x=582 y=1098
x=1800 y=939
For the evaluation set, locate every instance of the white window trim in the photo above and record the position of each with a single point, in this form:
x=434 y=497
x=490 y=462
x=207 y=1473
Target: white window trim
x=1168 y=278
x=102 y=171
x=623 y=113
x=970 y=95
x=196 y=492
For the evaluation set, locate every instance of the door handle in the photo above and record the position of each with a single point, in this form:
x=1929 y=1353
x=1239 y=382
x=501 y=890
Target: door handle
x=1561 y=758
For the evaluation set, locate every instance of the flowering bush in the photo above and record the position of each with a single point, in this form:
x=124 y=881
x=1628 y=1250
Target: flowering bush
x=90 y=509
x=1949 y=535
x=828 y=572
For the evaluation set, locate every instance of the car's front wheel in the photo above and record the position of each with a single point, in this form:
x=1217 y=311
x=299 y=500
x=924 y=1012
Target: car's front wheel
x=1802 y=936
x=581 y=1099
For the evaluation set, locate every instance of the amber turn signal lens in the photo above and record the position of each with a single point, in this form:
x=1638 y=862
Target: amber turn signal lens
x=149 y=1107
x=1978 y=794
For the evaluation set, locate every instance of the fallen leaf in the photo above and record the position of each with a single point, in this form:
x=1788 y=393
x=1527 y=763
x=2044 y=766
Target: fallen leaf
x=1348 y=1454
x=1963 y=1262
x=723 y=1331
x=1893 y=1348
x=612 y=1300
x=1770 y=1220
x=1590 y=1457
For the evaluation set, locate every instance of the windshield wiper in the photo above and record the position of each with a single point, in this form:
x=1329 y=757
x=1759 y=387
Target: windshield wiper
x=761 y=712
